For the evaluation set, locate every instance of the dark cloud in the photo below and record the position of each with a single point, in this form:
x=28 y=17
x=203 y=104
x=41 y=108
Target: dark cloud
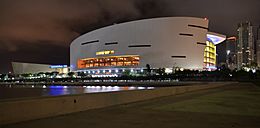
x=224 y=15
x=28 y=26
x=53 y=20
x=43 y=52
x=31 y=30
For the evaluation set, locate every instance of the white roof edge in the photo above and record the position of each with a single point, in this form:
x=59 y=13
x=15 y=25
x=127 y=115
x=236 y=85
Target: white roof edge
x=216 y=37
x=16 y=62
x=140 y=20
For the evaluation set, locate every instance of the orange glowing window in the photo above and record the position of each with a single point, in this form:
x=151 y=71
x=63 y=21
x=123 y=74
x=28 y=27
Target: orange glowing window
x=128 y=60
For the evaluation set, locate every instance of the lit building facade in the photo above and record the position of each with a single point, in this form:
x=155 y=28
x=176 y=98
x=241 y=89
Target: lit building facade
x=231 y=56
x=226 y=53
x=258 y=47
x=245 y=45
x=210 y=55
x=258 y=53
x=159 y=42
x=210 y=52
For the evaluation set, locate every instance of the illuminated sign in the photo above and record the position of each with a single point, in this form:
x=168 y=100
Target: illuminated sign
x=105 y=52
x=58 y=66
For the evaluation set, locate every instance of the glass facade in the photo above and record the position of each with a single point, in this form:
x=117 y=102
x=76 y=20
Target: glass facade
x=109 y=61
x=210 y=55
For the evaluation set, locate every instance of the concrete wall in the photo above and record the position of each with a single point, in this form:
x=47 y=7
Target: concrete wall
x=28 y=109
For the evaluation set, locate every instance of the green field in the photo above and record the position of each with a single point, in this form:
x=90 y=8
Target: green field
x=238 y=101
x=232 y=106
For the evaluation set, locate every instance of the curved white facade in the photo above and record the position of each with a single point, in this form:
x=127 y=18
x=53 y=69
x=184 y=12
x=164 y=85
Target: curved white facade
x=159 y=42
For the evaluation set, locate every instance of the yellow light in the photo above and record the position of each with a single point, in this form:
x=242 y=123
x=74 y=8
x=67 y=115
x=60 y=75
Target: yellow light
x=210 y=54
x=107 y=52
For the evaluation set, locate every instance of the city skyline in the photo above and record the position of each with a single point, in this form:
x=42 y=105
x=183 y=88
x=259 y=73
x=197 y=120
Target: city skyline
x=41 y=31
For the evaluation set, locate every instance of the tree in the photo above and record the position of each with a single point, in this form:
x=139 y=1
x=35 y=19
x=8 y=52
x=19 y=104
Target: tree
x=2 y=76
x=254 y=65
x=161 y=71
x=54 y=74
x=48 y=74
x=148 y=69
x=26 y=75
x=82 y=74
x=40 y=74
x=126 y=73
x=71 y=74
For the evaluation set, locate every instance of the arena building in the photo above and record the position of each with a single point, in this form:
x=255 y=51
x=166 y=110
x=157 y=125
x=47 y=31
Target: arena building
x=34 y=68
x=160 y=43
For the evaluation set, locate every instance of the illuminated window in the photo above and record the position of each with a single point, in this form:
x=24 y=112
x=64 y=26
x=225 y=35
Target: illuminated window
x=113 y=63
x=120 y=63
x=127 y=63
x=106 y=64
x=136 y=58
x=109 y=61
x=209 y=55
x=96 y=64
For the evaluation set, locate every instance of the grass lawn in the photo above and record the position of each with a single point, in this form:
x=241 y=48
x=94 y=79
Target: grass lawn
x=243 y=101
x=235 y=106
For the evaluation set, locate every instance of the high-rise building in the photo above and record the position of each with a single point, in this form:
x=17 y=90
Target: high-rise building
x=226 y=53
x=221 y=54
x=231 y=57
x=258 y=53
x=245 y=45
x=258 y=47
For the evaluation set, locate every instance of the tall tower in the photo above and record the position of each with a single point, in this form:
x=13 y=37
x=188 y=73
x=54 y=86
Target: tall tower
x=258 y=47
x=245 y=45
x=231 y=43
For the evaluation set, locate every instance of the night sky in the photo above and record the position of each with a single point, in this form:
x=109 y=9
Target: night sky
x=41 y=31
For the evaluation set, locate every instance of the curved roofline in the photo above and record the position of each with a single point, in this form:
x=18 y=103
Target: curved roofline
x=158 y=18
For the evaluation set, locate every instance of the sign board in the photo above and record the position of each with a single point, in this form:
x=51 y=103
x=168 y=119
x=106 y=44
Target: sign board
x=58 y=66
